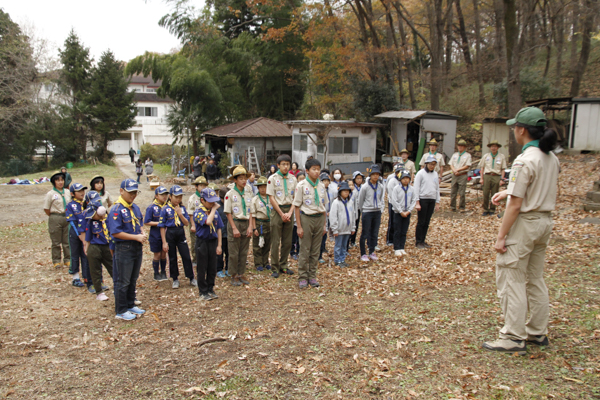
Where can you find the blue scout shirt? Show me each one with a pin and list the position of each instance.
(204, 231)
(97, 232)
(169, 218)
(121, 220)
(153, 215)
(75, 215)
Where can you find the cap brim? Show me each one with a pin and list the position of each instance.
(132, 190)
(511, 121)
(163, 192)
(213, 199)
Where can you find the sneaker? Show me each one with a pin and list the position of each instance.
(205, 297)
(288, 271)
(91, 290)
(403, 252)
(137, 302)
(303, 284)
(485, 214)
(275, 274)
(104, 287)
(389, 244)
(321, 261)
(343, 264)
(398, 253)
(156, 276)
(377, 248)
(136, 310)
(364, 258)
(426, 245)
(540, 340)
(221, 274)
(67, 264)
(127, 316)
(235, 281)
(77, 283)
(295, 257)
(212, 294)
(260, 268)
(373, 256)
(163, 276)
(57, 265)
(175, 284)
(101, 297)
(243, 279)
(267, 267)
(194, 282)
(227, 273)
(313, 283)
(507, 346)
(420, 246)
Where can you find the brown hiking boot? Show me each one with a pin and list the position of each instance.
(243, 279)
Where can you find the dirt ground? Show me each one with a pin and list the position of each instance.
(390, 330)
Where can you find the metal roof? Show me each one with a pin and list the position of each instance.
(144, 80)
(257, 127)
(139, 97)
(412, 114)
(586, 100)
(345, 123)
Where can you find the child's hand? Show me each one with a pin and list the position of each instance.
(165, 247)
(142, 237)
(249, 232)
(353, 232)
(300, 232)
(236, 233)
(219, 251)
(215, 207)
(335, 234)
(418, 207)
(256, 233)
(285, 217)
(193, 229)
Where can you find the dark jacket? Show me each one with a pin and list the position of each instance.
(211, 171)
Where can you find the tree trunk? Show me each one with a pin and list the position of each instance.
(391, 36)
(194, 139)
(586, 44)
(574, 35)
(499, 45)
(478, 54)
(464, 39)
(558, 26)
(448, 52)
(512, 62)
(407, 61)
(436, 28)
(547, 37)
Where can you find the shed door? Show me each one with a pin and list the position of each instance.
(587, 127)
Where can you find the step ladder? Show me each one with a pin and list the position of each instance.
(253, 161)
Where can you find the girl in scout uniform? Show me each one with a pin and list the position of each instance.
(524, 235)
(341, 221)
(173, 218)
(358, 179)
(238, 211)
(97, 184)
(152, 219)
(493, 166)
(98, 248)
(74, 214)
(403, 202)
(310, 203)
(427, 195)
(372, 204)
(439, 166)
(194, 202)
(460, 164)
(261, 216)
(55, 205)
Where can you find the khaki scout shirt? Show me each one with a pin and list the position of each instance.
(534, 178)
(247, 188)
(53, 201)
(193, 203)
(409, 166)
(493, 165)
(465, 159)
(259, 209)
(305, 198)
(233, 204)
(276, 188)
(106, 200)
(438, 156)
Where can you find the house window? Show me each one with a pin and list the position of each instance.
(147, 111)
(346, 145)
(300, 143)
(150, 90)
(320, 148)
(134, 89)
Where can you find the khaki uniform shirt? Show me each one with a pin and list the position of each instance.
(493, 165)
(534, 178)
(53, 201)
(305, 198)
(259, 209)
(276, 188)
(440, 161)
(106, 199)
(193, 203)
(410, 167)
(465, 160)
(247, 188)
(233, 204)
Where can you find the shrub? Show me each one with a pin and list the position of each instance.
(224, 163)
(533, 86)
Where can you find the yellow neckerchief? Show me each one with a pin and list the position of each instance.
(177, 221)
(161, 205)
(212, 226)
(128, 206)
(105, 229)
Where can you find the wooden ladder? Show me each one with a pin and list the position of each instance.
(253, 160)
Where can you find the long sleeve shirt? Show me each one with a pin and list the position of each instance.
(427, 186)
(370, 200)
(403, 198)
(342, 218)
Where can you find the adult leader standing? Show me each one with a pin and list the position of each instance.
(524, 235)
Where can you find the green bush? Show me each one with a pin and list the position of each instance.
(224, 163)
(15, 167)
(101, 155)
(533, 86)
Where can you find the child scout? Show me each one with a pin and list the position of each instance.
(74, 213)
(152, 219)
(261, 213)
(194, 202)
(55, 205)
(98, 249)
(310, 201)
(459, 164)
(238, 211)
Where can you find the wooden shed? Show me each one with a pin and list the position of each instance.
(585, 124)
(496, 129)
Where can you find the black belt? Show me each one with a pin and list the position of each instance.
(63, 214)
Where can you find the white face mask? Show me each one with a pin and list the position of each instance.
(337, 176)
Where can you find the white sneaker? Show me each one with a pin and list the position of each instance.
(403, 252)
(101, 297)
(398, 253)
(377, 248)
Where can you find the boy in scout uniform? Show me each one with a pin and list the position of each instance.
(493, 166)
(524, 235)
(407, 164)
(310, 203)
(194, 202)
(74, 214)
(460, 164)
(239, 231)
(152, 219)
(55, 205)
(261, 214)
(439, 166)
(98, 242)
(280, 189)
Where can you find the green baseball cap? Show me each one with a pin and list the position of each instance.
(531, 116)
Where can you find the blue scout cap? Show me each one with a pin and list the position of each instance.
(92, 208)
(129, 185)
(209, 195)
(343, 186)
(91, 196)
(76, 187)
(161, 190)
(176, 190)
(324, 176)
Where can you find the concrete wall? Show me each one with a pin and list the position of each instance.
(495, 131)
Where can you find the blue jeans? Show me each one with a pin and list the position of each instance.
(370, 231)
(128, 261)
(77, 253)
(339, 251)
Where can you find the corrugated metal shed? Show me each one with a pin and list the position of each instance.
(412, 114)
(257, 127)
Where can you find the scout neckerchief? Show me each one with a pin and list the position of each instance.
(128, 206)
(344, 202)
(211, 225)
(105, 229)
(433, 154)
(243, 198)
(533, 143)
(157, 203)
(405, 197)
(494, 160)
(284, 182)
(198, 194)
(314, 185)
(177, 221)
(62, 193)
(374, 191)
(460, 155)
(266, 203)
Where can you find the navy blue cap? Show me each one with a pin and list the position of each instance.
(209, 195)
(374, 170)
(324, 176)
(92, 208)
(129, 185)
(161, 190)
(91, 196)
(343, 186)
(76, 187)
(176, 190)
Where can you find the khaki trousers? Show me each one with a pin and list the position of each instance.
(238, 247)
(310, 245)
(261, 254)
(58, 228)
(491, 186)
(281, 240)
(458, 186)
(192, 243)
(520, 277)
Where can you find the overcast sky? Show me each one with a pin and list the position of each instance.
(127, 27)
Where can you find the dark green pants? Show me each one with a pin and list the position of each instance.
(58, 228)
(281, 240)
(310, 245)
(238, 248)
(458, 187)
(192, 243)
(491, 186)
(261, 254)
(99, 255)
